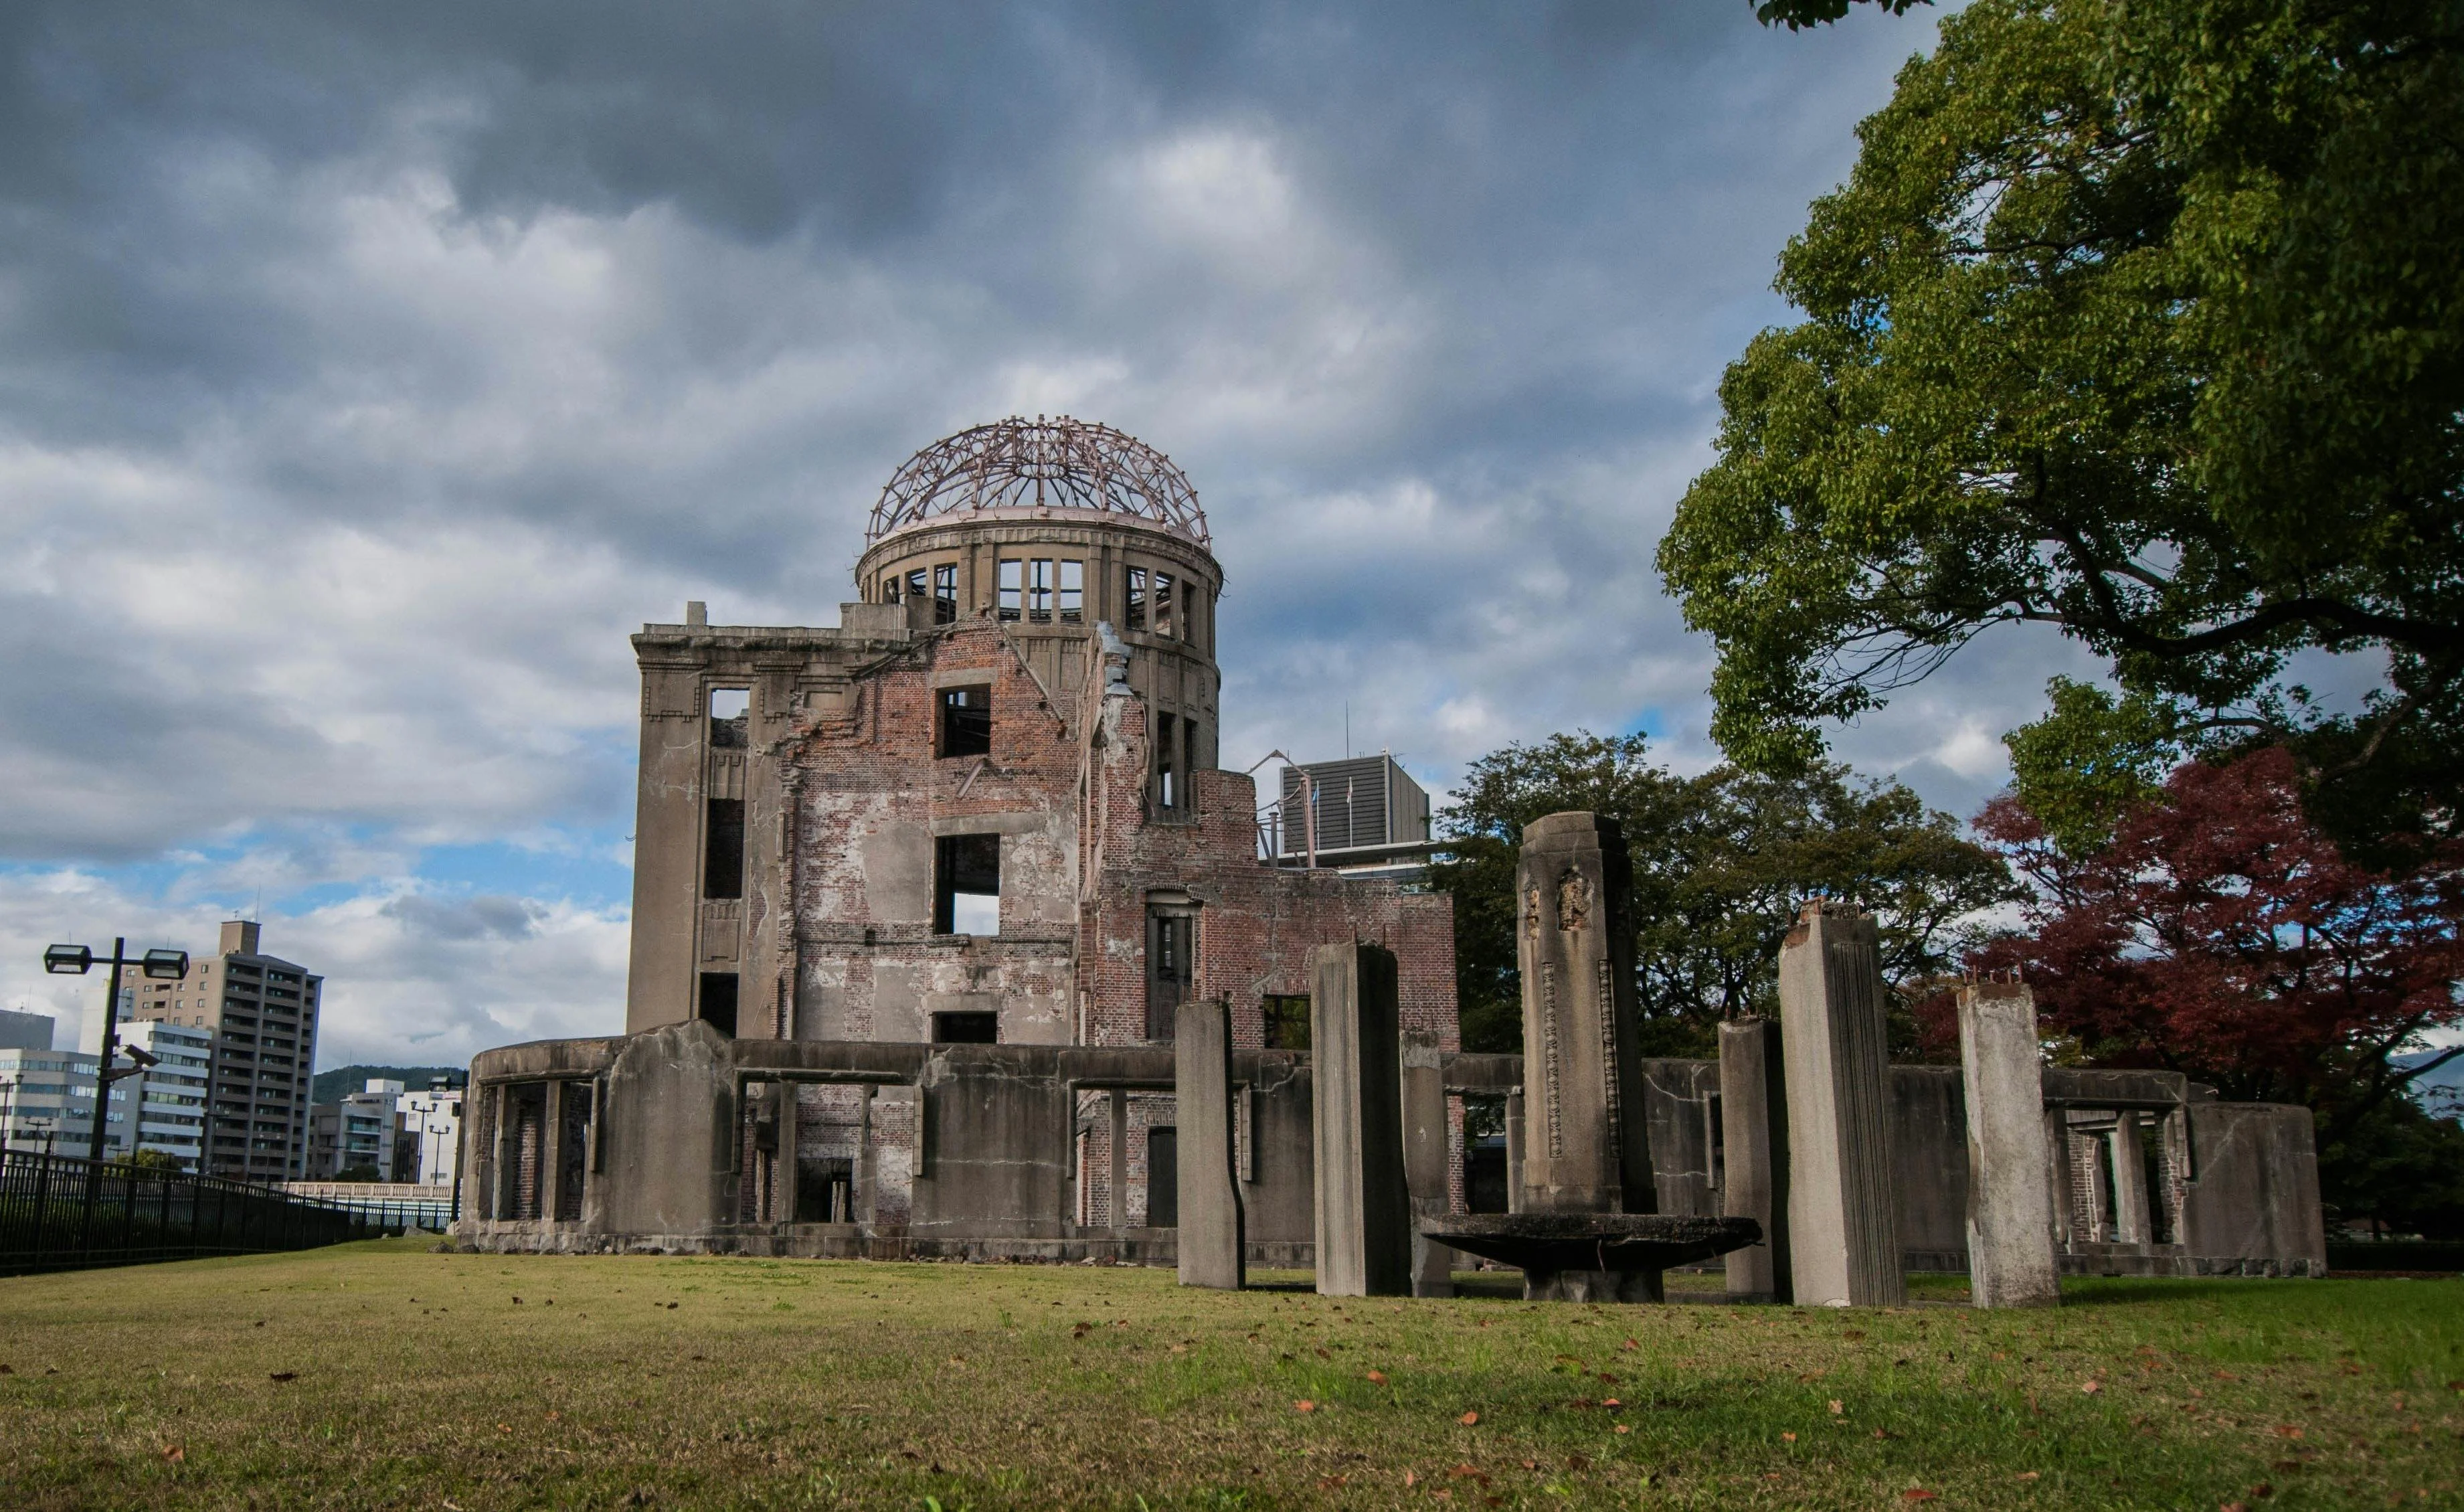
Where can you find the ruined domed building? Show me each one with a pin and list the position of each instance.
(984, 810)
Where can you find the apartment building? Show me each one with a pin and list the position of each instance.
(261, 1012)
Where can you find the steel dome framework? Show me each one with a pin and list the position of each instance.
(1054, 463)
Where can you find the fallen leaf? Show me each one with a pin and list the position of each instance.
(2027, 1475)
(2230, 1506)
(1577, 1462)
(1304, 1405)
(1621, 1428)
(1531, 1464)
(1468, 1418)
(1377, 1378)
(1629, 1344)
(1329, 1483)
(2226, 1375)
(1852, 1333)
(672, 1307)
(1323, 1354)
(1611, 1401)
(1837, 1411)
(1788, 1439)
(518, 1302)
(2262, 1491)
(504, 1428)
(284, 1375)
(1411, 1479)
(176, 1454)
(2091, 1388)
(2287, 1430)
(1920, 1494)
(553, 1414)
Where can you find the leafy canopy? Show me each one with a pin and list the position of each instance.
(1722, 863)
(2144, 321)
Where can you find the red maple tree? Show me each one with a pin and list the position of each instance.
(2222, 935)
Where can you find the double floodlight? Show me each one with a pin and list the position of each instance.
(68, 960)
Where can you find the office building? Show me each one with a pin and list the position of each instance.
(262, 1012)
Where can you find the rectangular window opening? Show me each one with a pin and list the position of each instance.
(1286, 1020)
(722, 872)
(1167, 776)
(966, 1029)
(718, 1007)
(729, 710)
(1163, 1177)
(966, 721)
(915, 584)
(945, 593)
(1013, 577)
(1163, 621)
(1039, 590)
(1134, 603)
(1172, 961)
(966, 884)
(1073, 593)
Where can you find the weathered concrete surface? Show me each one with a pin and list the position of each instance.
(1586, 1145)
(2010, 1256)
(2256, 1188)
(1929, 1166)
(1754, 1130)
(1842, 1222)
(669, 1159)
(1428, 1166)
(1364, 1216)
(1210, 1242)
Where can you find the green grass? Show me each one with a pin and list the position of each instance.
(416, 1380)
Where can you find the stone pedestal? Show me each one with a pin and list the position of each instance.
(1363, 1210)
(1842, 1222)
(1586, 1147)
(1426, 1162)
(2011, 1257)
(1210, 1233)
(1753, 1153)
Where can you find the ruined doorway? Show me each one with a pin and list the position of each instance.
(1163, 1177)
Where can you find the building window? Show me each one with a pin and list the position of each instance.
(722, 872)
(915, 584)
(1172, 965)
(1163, 605)
(966, 884)
(718, 1007)
(945, 593)
(1286, 1020)
(1013, 577)
(966, 1029)
(1167, 771)
(966, 721)
(1134, 603)
(1073, 593)
(1039, 590)
(730, 709)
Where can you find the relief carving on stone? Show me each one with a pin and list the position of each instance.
(1574, 901)
(1531, 909)
(1609, 1057)
(1550, 1057)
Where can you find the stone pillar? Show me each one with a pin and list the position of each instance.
(1211, 1234)
(2011, 1258)
(2130, 1216)
(1586, 1148)
(1117, 1203)
(1426, 1166)
(1514, 1152)
(1843, 1237)
(1753, 1147)
(551, 1177)
(868, 1162)
(1364, 1215)
(503, 1179)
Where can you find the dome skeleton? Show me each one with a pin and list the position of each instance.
(1055, 463)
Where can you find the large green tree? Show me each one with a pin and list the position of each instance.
(1722, 863)
(2142, 319)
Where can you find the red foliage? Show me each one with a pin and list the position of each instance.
(2223, 935)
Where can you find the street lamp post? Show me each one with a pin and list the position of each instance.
(68, 960)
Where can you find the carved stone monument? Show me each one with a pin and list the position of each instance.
(1843, 1236)
(1753, 1140)
(1364, 1211)
(2010, 1256)
(1210, 1236)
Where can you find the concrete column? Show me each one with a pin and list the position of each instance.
(2057, 1176)
(2130, 1224)
(551, 1151)
(1514, 1152)
(868, 1162)
(784, 1186)
(1211, 1236)
(1843, 1237)
(1426, 1167)
(1364, 1215)
(1754, 1148)
(2011, 1258)
(502, 1176)
(1587, 1148)
(1116, 1209)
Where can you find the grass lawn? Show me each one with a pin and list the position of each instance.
(384, 1375)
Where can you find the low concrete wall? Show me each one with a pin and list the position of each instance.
(672, 1133)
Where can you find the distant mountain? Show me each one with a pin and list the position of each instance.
(332, 1086)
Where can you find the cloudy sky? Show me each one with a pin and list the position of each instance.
(368, 373)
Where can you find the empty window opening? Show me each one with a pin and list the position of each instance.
(718, 1007)
(1039, 590)
(966, 884)
(1287, 1021)
(945, 593)
(1133, 602)
(825, 1191)
(1167, 773)
(1013, 579)
(1163, 605)
(722, 870)
(966, 721)
(915, 584)
(729, 710)
(979, 1028)
(1163, 1177)
(1073, 593)
(1171, 952)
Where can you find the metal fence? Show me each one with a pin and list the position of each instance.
(57, 1213)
